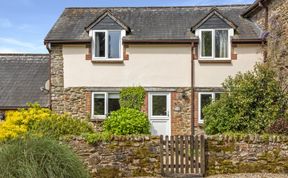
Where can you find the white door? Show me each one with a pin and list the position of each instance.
(159, 113)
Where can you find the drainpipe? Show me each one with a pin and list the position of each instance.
(192, 89)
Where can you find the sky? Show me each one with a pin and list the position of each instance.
(25, 23)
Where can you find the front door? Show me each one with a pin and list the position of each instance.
(159, 113)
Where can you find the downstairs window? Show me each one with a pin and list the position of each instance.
(205, 99)
(103, 103)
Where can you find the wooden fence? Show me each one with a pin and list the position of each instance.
(182, 155)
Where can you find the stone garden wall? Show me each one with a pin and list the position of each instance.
(140, 156)
(235, 154)
(122, 157)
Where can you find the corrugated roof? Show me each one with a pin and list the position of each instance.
(22, 76)
(149, 23)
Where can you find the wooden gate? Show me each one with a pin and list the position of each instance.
(182, 155)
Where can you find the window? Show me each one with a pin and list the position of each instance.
(215, 43)
(103, 103)
(205, 99)
(107, 44)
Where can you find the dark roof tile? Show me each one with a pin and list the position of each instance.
(22, 76)
(149, 22)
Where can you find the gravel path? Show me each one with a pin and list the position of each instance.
(247, 175)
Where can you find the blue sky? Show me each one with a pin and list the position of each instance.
(25, 23)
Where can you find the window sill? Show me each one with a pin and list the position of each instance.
(107, 61)
(95, 118)
(214, 60)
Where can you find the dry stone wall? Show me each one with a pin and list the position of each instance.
(122, 157)
(247, 154)
(130, 156)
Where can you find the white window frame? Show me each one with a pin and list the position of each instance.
(106, 98)
(199, 33)
(201, 120)
(94, 58)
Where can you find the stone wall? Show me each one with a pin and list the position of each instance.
(57, 80)
(123, 157)
(252, 153)
(181, 111)
(277, 42)
(130, 156)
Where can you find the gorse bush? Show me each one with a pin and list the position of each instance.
(19, 122)
(40, 121)
(41, 158)
(127, 121)
(252, 102)
(132, 97)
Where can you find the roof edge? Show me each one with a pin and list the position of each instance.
(24, 54)
(253, 7)
(136, 7)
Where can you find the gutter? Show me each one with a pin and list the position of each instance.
(159, 41)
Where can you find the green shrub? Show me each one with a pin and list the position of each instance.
(132, 97)
(93, 138)
(60, 125)
(39, 158)
(127, 121)
(252, 101)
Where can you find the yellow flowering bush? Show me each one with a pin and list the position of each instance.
(18, 122)
(41, 122)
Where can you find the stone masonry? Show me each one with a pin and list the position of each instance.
(128, 156)
(277, 43)
(181, 111)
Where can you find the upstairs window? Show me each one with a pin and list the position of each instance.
(107, 44)
(214, 44)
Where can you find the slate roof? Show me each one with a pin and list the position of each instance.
(149, 23)
(22, 76)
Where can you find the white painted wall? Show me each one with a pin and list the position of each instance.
(148, 66)
(153, 66)
(214, 74)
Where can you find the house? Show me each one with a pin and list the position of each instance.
(24, 79)
(180, 55)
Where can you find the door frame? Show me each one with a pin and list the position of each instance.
(168, 106)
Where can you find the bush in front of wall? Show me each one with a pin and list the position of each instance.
(41, 122)
(127, 121)
(96, 137)
(39, 157)
(132, 97)
(60, 125)
(18, 122)
(252, 102)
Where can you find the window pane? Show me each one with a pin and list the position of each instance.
(221, 43)
(206, 43)
(99, 44)
(159, 105)
(205, 100)
(99, 104)
(113, 102)
(114, 44)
